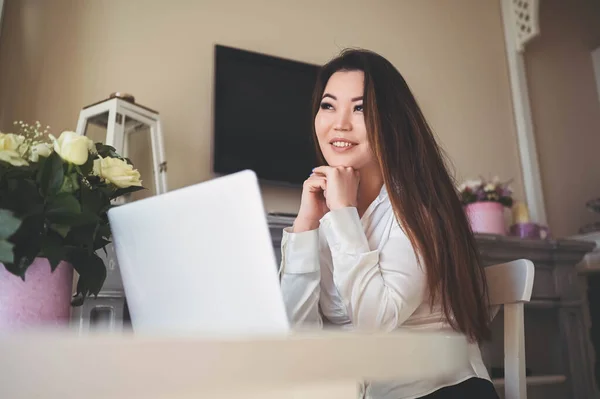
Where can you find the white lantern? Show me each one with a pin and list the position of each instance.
(135, 132)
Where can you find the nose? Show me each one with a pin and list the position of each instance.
(343, 122)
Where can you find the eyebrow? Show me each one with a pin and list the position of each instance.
(359, 98)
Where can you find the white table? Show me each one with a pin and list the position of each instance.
(324, 365)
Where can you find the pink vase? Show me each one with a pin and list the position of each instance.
(486, 217)
(43, 299)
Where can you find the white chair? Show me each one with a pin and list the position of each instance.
(510, 285)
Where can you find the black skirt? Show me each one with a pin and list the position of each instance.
(476, 388)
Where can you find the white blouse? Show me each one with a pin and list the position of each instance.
(362, 273)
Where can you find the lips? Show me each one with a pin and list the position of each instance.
(340, 144)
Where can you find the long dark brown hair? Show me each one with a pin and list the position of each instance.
(422, 192)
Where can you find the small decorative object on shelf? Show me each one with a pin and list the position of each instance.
(54, 198)
(593, 206)
(484, 202)
(523, 227)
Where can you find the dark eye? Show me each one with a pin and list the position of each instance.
(326, 106)
(358, 108)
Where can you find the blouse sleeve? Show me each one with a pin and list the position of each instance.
(380, 288)
(300, 277)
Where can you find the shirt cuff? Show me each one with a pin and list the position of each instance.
(300, 251)
(344, 231)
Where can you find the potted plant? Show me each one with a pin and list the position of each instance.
(54, 198)
(484, 202)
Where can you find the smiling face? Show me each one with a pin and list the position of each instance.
(340, 123)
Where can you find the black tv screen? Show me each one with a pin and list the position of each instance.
(262, 116)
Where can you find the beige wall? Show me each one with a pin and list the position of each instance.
(566, 110)
(57, 56)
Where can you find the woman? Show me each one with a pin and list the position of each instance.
(381, 240)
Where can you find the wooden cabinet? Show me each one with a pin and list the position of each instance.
(559, 355)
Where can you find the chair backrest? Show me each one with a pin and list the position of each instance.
(510, 285)
(510, 282)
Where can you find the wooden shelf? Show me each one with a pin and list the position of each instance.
(550, 303)
(537, 380)
(542, 303)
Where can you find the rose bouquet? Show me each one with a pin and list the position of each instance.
(54, 197)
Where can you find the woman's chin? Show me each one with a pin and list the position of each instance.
(338, 162)
(335, 160)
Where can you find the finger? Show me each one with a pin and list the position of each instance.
(316, 182)
(317, 185)
(324, 170)
(315, 176)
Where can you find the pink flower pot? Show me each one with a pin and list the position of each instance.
(486, 217)
(43, 299)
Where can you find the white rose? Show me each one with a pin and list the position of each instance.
(40, 150)
(12, 142)
(117, 172)
(72, 147)
(12, 157)
(12, 148)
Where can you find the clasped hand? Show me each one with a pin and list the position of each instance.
(327, 188)
(341, 186)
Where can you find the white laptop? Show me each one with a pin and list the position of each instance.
(199, 260)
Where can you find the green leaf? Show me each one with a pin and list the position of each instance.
(51, 175)
(104, 231)
(127, 190)
(64, 209)
(107, 191)
(93, 201)
(60, 229)
(70, 183)
(53, 249)
(21, 172)
(9, 224)
(88, 166)
(107, 151)
(84, 219)
(23, 196)
(6, 252)
(91, 269)
(13, 268)
(95, 181)
(28, 242)
(20, 265)
(78, 299)
(82, 236)
(100, 243)
(64, 205)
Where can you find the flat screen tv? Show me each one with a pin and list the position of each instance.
(262, 116)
